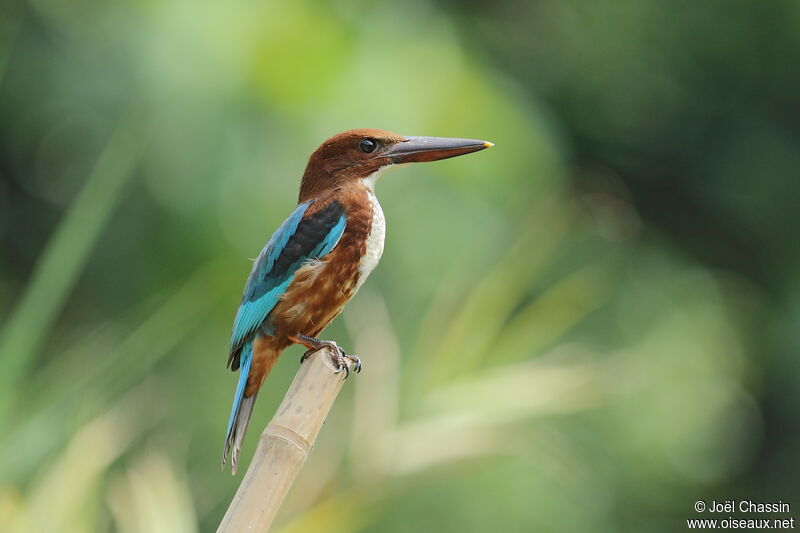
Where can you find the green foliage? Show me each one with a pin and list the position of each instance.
(538, 355)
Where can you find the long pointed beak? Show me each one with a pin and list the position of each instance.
(420, 149)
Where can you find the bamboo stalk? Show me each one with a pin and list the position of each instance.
(284, 446)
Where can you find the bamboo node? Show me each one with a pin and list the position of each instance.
(289, 435)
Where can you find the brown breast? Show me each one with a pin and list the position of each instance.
(321, 288)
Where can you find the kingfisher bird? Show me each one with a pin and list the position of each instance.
(318, 258)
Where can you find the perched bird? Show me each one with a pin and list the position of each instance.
(319, 257)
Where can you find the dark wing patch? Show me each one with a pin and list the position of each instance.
(312, 232)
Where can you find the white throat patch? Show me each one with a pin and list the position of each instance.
(370, 181)
(377, 231)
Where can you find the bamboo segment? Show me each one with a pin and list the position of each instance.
(284, 446)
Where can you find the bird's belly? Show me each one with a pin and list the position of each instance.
(316, 295)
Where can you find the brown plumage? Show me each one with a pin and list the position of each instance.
(319, 257)
(320, 288)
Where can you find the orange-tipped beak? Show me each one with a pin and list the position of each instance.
(421, 149)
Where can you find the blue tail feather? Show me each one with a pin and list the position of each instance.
(241, 410)
(246, 357)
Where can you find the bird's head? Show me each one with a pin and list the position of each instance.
(364, 154)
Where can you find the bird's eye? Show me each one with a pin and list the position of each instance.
(367, 146)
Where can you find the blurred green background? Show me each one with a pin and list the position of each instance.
(586, 328)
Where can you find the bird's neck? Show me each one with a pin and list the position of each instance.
(368, 182)
(352, 188)
(309, 189)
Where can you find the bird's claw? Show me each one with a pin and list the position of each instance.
(356, 362)
(339, 357)
(342, 366)
(306, 355)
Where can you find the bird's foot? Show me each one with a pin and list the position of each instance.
(356, 363)
(340, 358)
